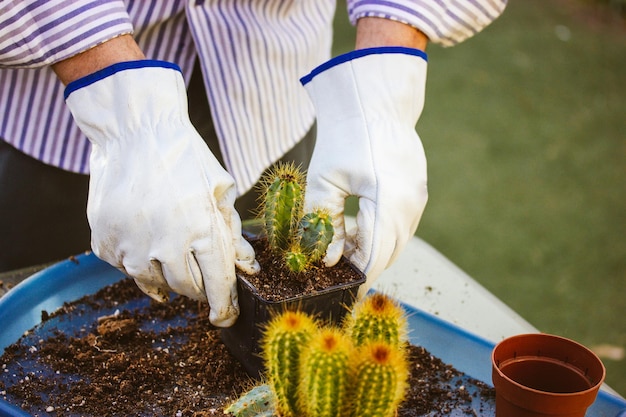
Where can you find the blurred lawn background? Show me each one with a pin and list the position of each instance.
(525, 133)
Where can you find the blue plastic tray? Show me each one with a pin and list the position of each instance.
(20, 310)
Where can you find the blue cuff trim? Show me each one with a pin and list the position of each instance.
(361, 53)
(113, 69)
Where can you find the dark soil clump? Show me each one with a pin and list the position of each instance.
(142, 358)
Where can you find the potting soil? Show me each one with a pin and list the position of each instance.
(118, 353)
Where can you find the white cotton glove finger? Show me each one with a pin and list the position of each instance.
(160, 206)
(367, 104)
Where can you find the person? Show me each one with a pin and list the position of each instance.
(175, 109)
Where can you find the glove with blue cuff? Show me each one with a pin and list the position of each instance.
(160, 206)
(367, 104)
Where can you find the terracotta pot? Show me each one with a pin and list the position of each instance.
(544, 375)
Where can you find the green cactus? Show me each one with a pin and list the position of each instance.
(282, 203)
(314, 370)
(380, 373)
(315, 232)
(377, 318)
(300, 239)
(296, 260)
(324, 387)
(285, 337)
(258, 402)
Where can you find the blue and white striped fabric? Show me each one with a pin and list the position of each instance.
(253, 54)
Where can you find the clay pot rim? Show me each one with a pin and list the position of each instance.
(527, 389)
(589, 391)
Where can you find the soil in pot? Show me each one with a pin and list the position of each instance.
(324, 292)
(118, 353)
(275, 283)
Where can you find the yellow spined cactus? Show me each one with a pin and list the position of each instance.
(379, 374)
(285, 337)
(377, 318)
(357, 370)
(324, 389)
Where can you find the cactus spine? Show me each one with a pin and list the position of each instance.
(324, 368)
(285, 337)
(300, 239)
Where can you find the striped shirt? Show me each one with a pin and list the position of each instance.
(252, 53)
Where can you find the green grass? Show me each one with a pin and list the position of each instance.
(525, 133)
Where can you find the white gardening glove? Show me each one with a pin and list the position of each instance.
(160, 207)
(367, 103)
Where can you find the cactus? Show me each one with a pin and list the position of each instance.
(377, 318)
(380, 375)
(324, 388)
(258, 402)
(285, 337)
(296, 259)
(315, 232)
(300, 239)
(282, 203)
(313, 370)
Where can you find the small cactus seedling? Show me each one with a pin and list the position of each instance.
(380, 372)
(286, 335)
(377, 318)
(296, 259)
(301, 239)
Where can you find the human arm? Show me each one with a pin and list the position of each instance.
(36, 33)
(160, 206)
(374, 32)
(118, 49)
(368, 103)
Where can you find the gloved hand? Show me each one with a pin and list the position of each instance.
(160, 206)
(367, 103)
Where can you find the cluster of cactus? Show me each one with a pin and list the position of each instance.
(301, 239)
(358, 369)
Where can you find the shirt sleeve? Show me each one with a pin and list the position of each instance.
(445, 22)
(37, 33)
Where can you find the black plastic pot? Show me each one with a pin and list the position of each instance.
(244, 337)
